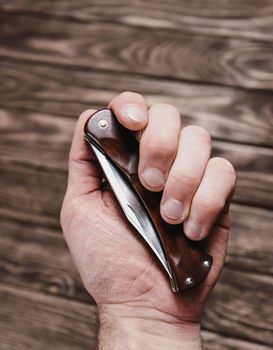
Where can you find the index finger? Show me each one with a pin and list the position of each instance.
(130, 109)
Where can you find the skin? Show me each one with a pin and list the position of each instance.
(137, 308)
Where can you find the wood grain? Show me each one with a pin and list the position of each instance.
(152, 52)
(37, 259)
(65, 324)
(241, 307)
(248, 19)
(37, 321)
(213, 341)
(34, 92)
(253, 186)
(251, 232)
(57, 58)
(31, 195)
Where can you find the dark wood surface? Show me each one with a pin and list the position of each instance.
(214, 61)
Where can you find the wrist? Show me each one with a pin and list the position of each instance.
(123, 327)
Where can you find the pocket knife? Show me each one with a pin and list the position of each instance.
(117, 151)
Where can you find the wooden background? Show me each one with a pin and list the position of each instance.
(213, 60)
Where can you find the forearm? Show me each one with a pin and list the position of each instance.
(121, 330)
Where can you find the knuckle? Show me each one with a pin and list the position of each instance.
(169, 148)
(131, 96)
(188, 181)
(152, 147)
(225, 167)
(155, 148)
(168, 109)
(209, 204)
(199, 132)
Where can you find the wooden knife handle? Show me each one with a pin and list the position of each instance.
(188, 262)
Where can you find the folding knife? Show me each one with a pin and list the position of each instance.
(117, 151)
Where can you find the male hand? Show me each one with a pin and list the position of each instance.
(136, 305)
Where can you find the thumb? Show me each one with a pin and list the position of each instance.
(84, 173)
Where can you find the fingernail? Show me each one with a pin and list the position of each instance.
(134, 112)
(153, 177)
(192, 229)
(173, 209)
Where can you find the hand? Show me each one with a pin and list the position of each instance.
(131, 289)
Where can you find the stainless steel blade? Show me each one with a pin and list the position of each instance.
(133, 208)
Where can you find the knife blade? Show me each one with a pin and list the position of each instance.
(132, 207)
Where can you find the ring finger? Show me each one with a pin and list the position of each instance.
(186, 173)
(158, 145)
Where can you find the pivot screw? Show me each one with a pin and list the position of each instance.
(189, 281)
(103, 124)
(206, 264)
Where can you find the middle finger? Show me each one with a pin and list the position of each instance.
(186, 173)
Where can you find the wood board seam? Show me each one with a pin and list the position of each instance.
(85, 68)
(51, 115)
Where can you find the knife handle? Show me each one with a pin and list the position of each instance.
(188, 262)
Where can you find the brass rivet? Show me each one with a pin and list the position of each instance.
(103, 124)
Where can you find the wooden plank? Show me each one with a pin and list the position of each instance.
(36, 139)
(152, 52)
(238, 295)
(248, 19)
(37, 91)
(63, 324)
(241, 296)
(37, 257)
(241, 307)
(213, 341)
(251, 232)
(253, 167)
(36, 321)
(240, 299)
(31, 196)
